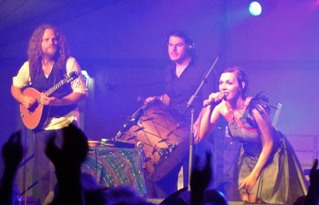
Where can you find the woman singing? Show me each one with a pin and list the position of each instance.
(268, 169)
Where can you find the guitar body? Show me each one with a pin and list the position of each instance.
(35, 116)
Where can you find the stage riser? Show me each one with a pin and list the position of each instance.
(158, 201)
(242, 203)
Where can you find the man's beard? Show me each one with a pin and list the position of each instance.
(52, 54)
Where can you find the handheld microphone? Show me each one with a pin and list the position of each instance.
(214, 100)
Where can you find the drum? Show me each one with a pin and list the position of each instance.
(162, 138)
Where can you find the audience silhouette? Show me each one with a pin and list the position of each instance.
(312, 197)
(199, 193)
(67, 150)
(12, 153)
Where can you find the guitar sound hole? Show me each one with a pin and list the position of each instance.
(33, 107)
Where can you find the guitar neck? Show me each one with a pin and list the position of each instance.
(55, 87)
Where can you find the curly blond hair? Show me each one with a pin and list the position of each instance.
(35, 49)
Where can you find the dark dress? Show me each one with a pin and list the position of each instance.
(281, 180)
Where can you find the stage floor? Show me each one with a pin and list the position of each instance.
(158, 201)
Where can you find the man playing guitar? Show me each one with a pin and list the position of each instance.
(48, 64)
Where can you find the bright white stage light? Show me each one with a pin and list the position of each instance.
(87, 78)
(85, 74)
(255, 8)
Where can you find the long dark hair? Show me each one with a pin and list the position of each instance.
(35, 49)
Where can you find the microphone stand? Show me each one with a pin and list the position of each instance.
(191, 136)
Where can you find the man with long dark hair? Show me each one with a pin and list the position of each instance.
(49, 66)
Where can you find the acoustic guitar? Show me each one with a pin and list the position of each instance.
(36, 115)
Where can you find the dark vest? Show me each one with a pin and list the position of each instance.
(42, 84)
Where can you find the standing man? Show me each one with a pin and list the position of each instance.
(182, 78)
(48, 63)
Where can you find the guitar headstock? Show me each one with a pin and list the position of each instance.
(72, 76)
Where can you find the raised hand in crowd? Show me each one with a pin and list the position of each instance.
(12, 153)
(67, 161)
(200, 179)
(312, 197)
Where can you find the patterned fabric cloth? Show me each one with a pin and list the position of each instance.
(113, 167)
